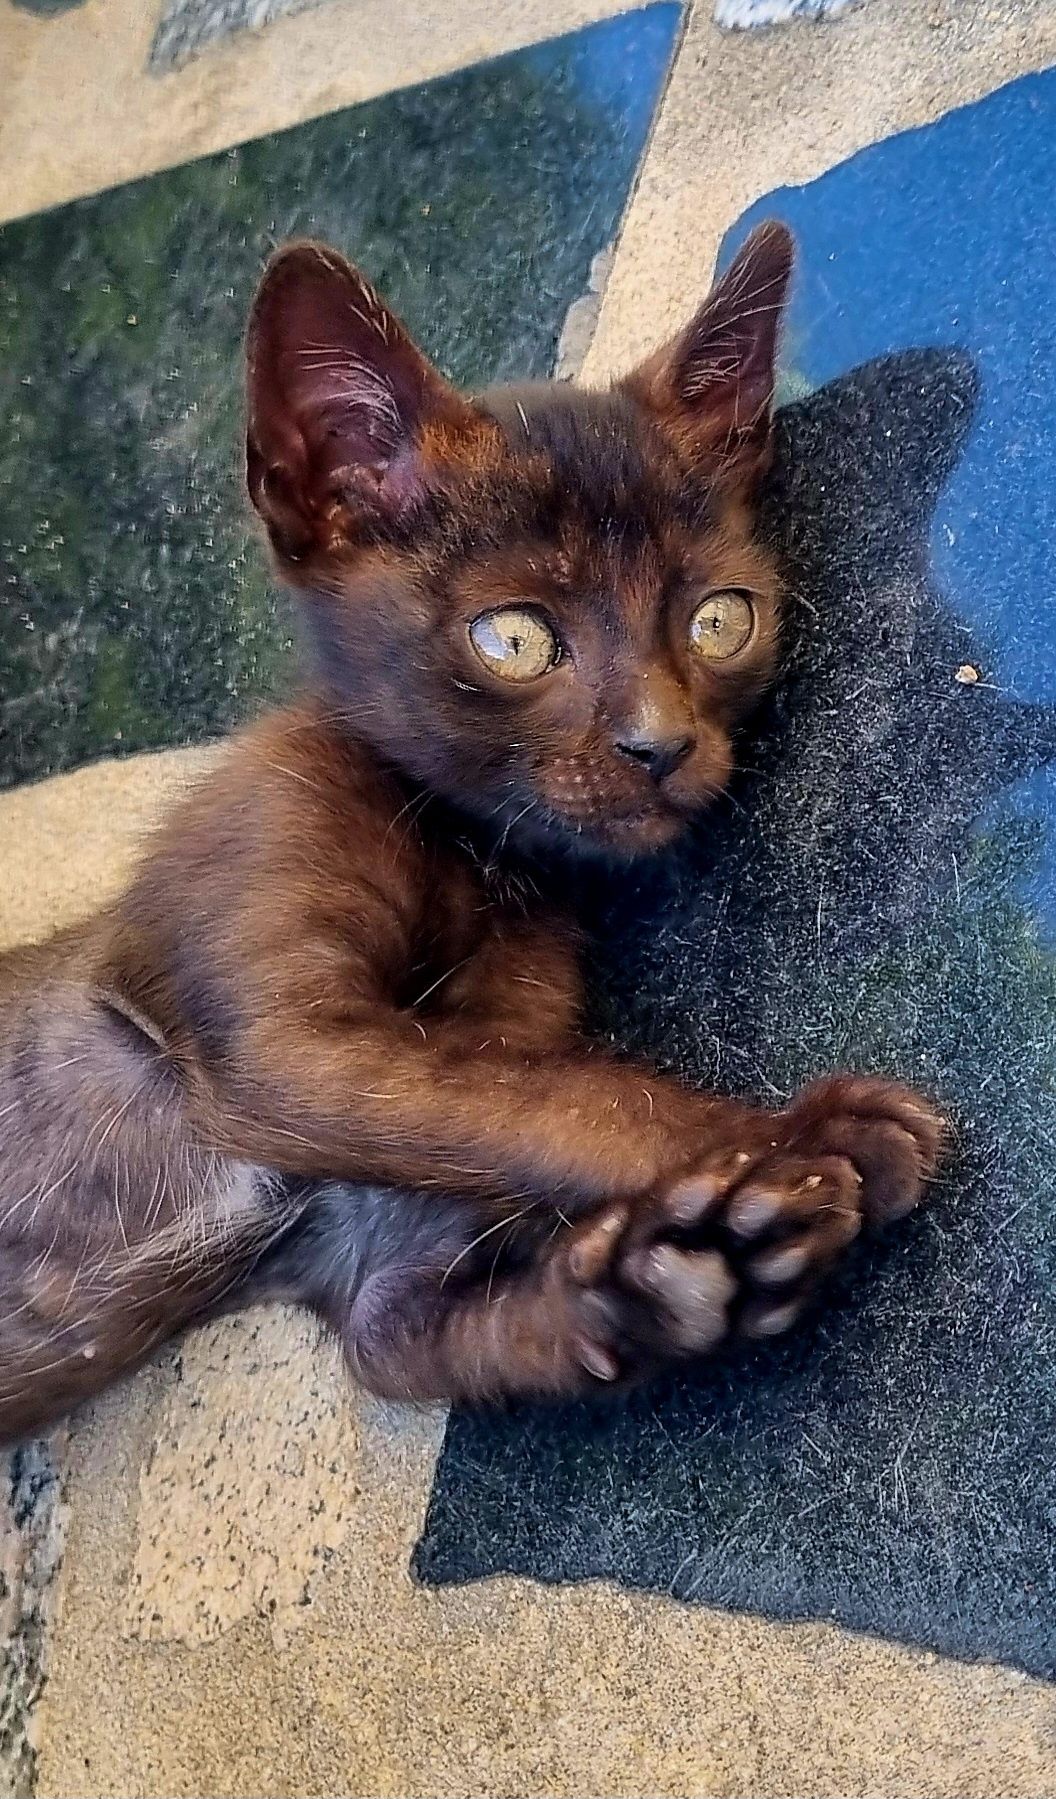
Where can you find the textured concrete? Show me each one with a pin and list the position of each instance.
(32, 1538)
(82, 112)
(308, 1663)
(187, 26)
(746, 112)
(71, 843)
(741, 15)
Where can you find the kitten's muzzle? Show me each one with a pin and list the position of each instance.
(656, 729)
(659, 756)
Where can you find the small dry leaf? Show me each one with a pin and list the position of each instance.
(967, 674)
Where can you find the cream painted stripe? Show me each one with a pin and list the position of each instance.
(81, 113)
(69, 845)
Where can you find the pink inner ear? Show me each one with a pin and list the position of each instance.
(336, 387)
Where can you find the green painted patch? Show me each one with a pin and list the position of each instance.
(138, 607)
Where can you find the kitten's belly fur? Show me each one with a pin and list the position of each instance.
(115, 1229)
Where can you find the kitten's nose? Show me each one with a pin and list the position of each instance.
(659, 756)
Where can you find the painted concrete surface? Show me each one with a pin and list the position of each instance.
(141, 610)
(748, 112)
(309, 1662)
(187, 27)
(32, 1541)
(82, 111)
(746, 15)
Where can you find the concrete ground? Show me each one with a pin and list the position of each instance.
(234, 1613)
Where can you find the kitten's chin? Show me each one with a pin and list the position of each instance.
(621, 836)
(645, 835)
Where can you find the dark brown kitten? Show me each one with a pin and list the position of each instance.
(329, 1043)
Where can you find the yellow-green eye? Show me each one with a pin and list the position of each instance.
(722, 625)
(515, 643)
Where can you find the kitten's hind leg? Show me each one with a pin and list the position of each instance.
(420, 1291)
(437, 1299)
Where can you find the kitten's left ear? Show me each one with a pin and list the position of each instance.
(712, 386)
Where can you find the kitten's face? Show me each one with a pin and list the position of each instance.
(546, 606)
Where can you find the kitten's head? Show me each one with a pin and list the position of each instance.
(545, 604)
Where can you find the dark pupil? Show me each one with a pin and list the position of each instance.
(516, 643)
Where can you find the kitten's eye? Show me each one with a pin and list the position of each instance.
(722, 625)
(514, 643)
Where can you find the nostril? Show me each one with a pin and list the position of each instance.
(659, 756)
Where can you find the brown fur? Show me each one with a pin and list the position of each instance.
(328, 1045)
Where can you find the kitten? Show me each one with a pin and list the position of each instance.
(328, 1045)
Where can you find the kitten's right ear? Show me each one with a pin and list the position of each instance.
(348, 422)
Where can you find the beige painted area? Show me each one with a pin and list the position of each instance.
(80, 111)
(747, 112)
(68, 846)
(201, 1564)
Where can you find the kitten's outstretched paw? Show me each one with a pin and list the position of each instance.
(743, 1244)
(851, 1151)
(890, 1134)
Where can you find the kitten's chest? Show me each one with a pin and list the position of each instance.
(459, 907)
(468, 905)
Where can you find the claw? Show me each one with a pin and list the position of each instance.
(770, 1321)
(597, 1360)
(691, 1200)
(591, 1252)
(776, 1266)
